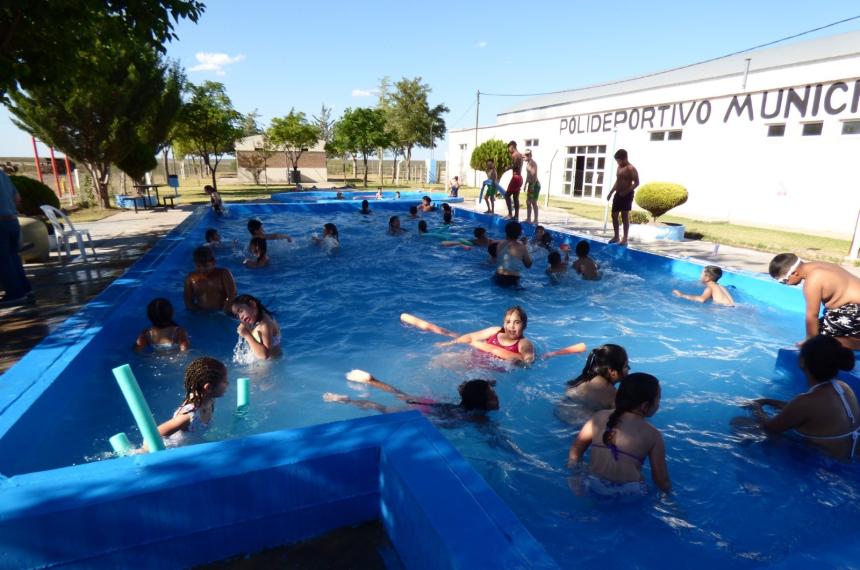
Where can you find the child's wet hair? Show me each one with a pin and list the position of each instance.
(446, 207)
(713, 272)
(365, 205)
(479, 233)
(823, 357)
(391, 221)
(426, 199)
(202, 371)
(260, 245)
(635, 389)
(447, 217)
(513, 230)
(413, 210)
(780, 264)
(422, 226)
(203, 255)
(331, 229)
(210, 235)
(554, 258)
(160, 313)
(254, 225)
(246, 299)
(582, 248)
(601, 361)
(478, 395)
(522, 313)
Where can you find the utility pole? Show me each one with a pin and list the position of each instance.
(477, 112)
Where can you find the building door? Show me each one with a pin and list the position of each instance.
(584, 171)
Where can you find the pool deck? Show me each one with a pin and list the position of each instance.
(63, 288)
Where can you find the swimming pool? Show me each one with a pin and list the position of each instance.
(737, 502)
(326, 196)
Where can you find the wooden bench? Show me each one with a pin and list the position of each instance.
(172, 199)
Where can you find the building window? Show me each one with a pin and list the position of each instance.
(812, 129)
(674, 135)
(532, 142)
(584, 171)
(851, 128)
(776, 130)
(464, 146)
(658, 135)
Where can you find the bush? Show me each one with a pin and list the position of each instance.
(660, 197)
(34, 194)
(638, 217)
(494, 149)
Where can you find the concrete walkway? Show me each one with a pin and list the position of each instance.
(63, 287)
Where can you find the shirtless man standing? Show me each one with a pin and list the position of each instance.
(516, 182)
(209, 288)
(827, 284)
(532, 187)
(626, 181)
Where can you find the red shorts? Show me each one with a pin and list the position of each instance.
(516, 184)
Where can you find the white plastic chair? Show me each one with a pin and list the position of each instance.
(64, 229)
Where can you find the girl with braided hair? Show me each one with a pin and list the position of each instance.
(205, 380)
(621, 440)
(605, 367)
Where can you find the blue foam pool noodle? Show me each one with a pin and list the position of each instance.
(120, 443)
(139, 408)
(243, 392)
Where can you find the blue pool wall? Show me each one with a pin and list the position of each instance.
(209, 502)
(323, 196)
(43, 387)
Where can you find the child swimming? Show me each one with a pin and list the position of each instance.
(208, 288)
(255, 228)
(584, 265)
(713, 290)
(557, 264)
(365, 207)
(512, 255)
(542, 238)
(214, 199)
(394, 228)
(621, 441)
(507, 342)
(605, 367)
(426, 205)
(330, 236)
(205, 380)
(476, 397)
(257, 326)
(413, 212)
(164, 335)
(258, 248)
(827, 415)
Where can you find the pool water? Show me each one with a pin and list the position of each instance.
(738, 500)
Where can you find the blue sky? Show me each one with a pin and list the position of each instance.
(275, 55)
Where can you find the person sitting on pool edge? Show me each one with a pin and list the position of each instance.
(208, 288)
(713, 290)
(827, 415)
(476, 398)
(621, 441)
(512, 255)
(824, 284)
(507, 342)
(255, 228)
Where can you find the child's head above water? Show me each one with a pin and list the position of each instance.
(513, 230)
(160, 313)
(212, 236)
(480, 233)
(446, 207)
(638, 391)
(478, 395)
(822, 357)
(422, 226)
(447, 217)
(413, 211)
(554, 258)
(249, 309)
(365, 205)
(517, 312)
(394, 223)
(582, 249)
(711, 273)
(254, 226)
(608, 361)
(205, 378)
(203, 256)
(330, 230)
(426, 200)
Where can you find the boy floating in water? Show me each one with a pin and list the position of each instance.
(584, 265)
(713, 290)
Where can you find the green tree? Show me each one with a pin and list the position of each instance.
(492, 149)
(293, 134)
(250, 126)
(362, 131)
(411, 119)
(324, 124)
(42, 39)
(118, 109)
(208, 125)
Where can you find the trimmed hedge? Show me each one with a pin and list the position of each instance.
(660, 197)
(638, 217)
(34, 194)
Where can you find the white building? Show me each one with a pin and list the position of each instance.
(767, 138)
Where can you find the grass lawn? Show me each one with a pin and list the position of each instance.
(761, 239)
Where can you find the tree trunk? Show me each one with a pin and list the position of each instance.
(100, 179)
(166, 166)
(365, 170)
(211, 170)
(409, 162)
(394, 170)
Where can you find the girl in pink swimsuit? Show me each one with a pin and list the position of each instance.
(507, 342)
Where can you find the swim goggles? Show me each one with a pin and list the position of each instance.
(791, 270)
